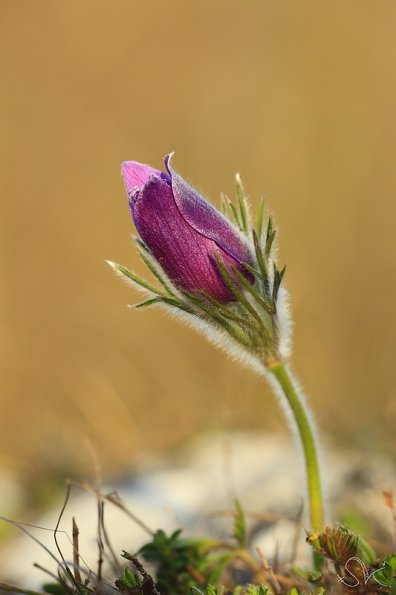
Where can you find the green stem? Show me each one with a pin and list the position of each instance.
(307, 437)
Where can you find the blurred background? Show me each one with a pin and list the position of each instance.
(299, 97)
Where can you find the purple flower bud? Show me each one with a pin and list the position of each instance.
(183, 231)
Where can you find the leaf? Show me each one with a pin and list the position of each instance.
(215, 590)
(260, 218)
(278, 276)
(227, 312)
(237, 292)
(239, 530)
(308, 574)
(147, 303)
(154, 268)
(177, 304)
(229, 325)
(235, 215)
(253, 292)
(262, 264)
(224, 205)
(269, 242)
(119, 269)
(242, 203)
(128, 579)
(385, 575)
(257, 590)
(252, 270)
(341, 545)
(269, 228)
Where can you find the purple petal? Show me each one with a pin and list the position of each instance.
(183, 252)
(205, 219)
(136, 174)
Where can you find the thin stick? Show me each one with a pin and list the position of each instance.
(76, 554)
(268, 568)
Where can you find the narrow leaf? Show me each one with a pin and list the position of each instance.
(242, 203)
(261, 263)
(257, 274)
(227, 313)
(147, 259)
(269, 228)
(278, 276)
(224, 205)
(235, 330)
(260, 218)
(269, 242)
(239, 529)
(253, 292)
(237, 292)
(177, 304)
(138, 240)
(147, 303)
(235, 215)
(124, 272)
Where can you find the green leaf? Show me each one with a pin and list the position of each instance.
(177, 304)
(242, 203)
(227, 312)
(252, 270)
(239, 530)
(224, 205)
(262, 264)
(218, 564)
(260, 218)
(278, 276)
(234, 329)
(386, 575)
(340, 545)
(269, 242)
(172, 556)
(128, 579)
(153, 267)
(253, 292)
(235, 215)
(237, 292)
(215, 590)
(365, 551)
(147, 303)
(308, 574)
(257, 590)
(269, 228)
(124, 272)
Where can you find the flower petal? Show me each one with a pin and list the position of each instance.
(136, 174)
(183, 252)
(205, 219)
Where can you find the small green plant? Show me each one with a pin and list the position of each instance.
(172, 564)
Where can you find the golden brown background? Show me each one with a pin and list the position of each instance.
(297, 96)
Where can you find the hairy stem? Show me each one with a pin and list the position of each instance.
(306, 433)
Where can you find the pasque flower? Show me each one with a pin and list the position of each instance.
(183, 231)
(220, 275)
